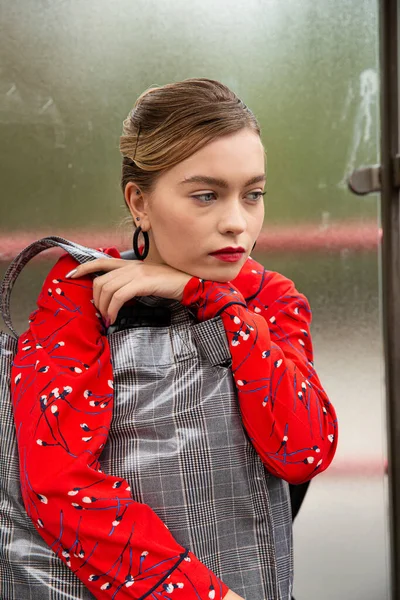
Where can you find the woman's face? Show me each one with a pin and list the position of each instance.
(208, 202)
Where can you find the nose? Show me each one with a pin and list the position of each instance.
(232, 218)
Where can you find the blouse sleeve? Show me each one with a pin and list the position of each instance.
(62, 393)
(285, 411)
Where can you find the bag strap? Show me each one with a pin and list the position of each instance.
(81, 253)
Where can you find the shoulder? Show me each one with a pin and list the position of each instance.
(79, 291)
(254, 278)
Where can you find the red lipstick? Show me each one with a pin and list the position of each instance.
(228, 254)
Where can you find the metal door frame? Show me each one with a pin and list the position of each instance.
(390, 265)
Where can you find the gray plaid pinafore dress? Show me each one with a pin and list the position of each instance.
(177, 437)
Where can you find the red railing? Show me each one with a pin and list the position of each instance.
(302, 237)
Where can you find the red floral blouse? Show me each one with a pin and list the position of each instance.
(62, 392)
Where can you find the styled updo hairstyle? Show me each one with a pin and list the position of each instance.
(169, 123)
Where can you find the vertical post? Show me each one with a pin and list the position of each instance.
(390, 266)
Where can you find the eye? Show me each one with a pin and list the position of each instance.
(254, 196)
(206, 198)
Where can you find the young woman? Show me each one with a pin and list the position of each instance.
(193, 178)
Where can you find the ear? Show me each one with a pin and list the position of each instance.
(137, 205)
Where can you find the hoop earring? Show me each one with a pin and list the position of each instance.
(136, 250)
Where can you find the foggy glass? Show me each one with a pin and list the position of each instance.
(70, 73)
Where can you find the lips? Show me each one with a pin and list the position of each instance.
(228, 254)
(228, 250)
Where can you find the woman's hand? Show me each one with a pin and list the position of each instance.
(232, 596)
(126, 279)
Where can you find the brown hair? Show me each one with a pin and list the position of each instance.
(167, 124)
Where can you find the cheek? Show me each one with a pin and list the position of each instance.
(177, 218)
(258, 220)
(176, 236)
(175, 228)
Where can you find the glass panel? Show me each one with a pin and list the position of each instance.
(309, 70)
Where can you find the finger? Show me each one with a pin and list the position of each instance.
(121, 296)
(99, 264)
(105, 286)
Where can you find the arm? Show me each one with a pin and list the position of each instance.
(284, 408)
(62, 395)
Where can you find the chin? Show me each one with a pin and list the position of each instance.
(223, 275)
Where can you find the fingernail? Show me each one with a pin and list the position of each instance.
(71, 273)
(108, 321)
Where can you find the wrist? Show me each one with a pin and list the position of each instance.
(210, 298)
(184, 280)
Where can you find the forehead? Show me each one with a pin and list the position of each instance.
(236, 158)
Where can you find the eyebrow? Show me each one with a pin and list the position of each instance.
(219, 182)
